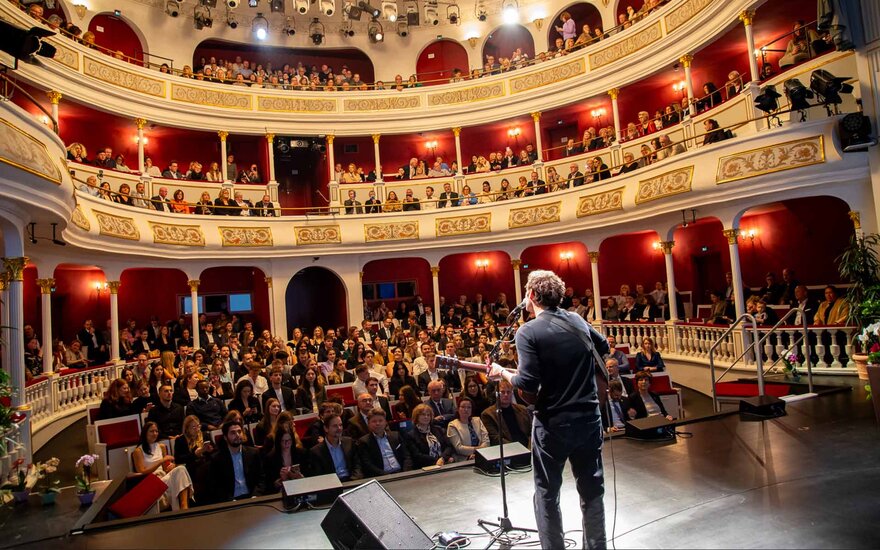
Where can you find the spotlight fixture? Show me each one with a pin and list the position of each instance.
(829, 87)
(855, 133)
(25, 44)
(301, 6)
(368, 9)
(453, 14)
(389, 10)
(276, 6)
(480, 11)
(289, 27)
(412, 13)
(202, 17)
(316, 32)
(510, 12)
(206, 3)
(231, 20)
(346, 29)
(260, 27)
(482, 15)
(767, 99)
(402, 29)
(172, 8)
(232, 4)
(797, 94)
(432, 16)
(352, 12)
(253, 3)
(328, 7)
(375, 32)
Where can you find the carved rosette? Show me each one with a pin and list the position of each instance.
(598, 203)
(534, 215)
(179, 235)
(246, 236)
(211, 98)
(548, 76)
(395, 231)
(665, 185)
(382, 104)
(467, 95)
(770, 159)
(117, 226)
(295, 105)
(684, 13)
(464, 225)
(80, 220)
(123, 79)
(64, 55)
(318, 234)
(626, 47)
(23, 151)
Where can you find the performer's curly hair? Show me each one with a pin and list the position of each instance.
(548, 288)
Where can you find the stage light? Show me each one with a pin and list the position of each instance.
(767, 99)
(253, 3)
(289, 27)
(172, 8)
(346, 29)
(25, 44)
(328, 7)
(202, 17)
(797, 94)
(453, 13)
(432, 16)
(260, 27)
(232, 4)
(301, 6)
(375, 32)
(482, 15)
(829, 87)
(368, 9)
(352, 12)
(412, 13)
(231, 20)
(389, 10)
(316, 32)
(276, 6)
(510, 12)
(402, 29)
(855, 133)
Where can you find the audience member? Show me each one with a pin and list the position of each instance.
(152, 457)
(466, 432)
(381, 452)
(515, 424)
(235, 470)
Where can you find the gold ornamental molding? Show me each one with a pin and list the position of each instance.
(534, 215)
(25, 152)
(246, 236)
(113, 286)
(124, 79)
(771, 159)
(684, 13)
(435, 271)
(194, 284)
(46, 285)
(318, 234)
(665, 185)
(464, 225)
(628, 46)
(731, 235)
(382, 104)
(394, 231)
(594, 257)
(80, 220)
(66, 56)
(666, 246)
(212, 98)
(117, 226)
(467, 95)
(178, 235)
(273, 104)
(856, 219)
(14, 268)
(599, 203)
(552, 75)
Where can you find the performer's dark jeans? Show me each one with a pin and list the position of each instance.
(578, 439)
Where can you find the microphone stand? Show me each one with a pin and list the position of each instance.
(500, 529)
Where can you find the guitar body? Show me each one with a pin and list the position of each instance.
(454, 364)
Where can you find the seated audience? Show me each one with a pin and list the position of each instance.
(285, 459)
(235, 470)
(208, 409)
(407, 403)
(358, 425)
(152, 457)
(167, 414)
(117, 401)
(245, 402)
(648, 359)
(466, 432)
(192, 451)
(517, 422)
(643, 403)
(310, 393)
(427, 442)
(381, 452)
(335, 453)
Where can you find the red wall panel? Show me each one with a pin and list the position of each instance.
(115, 34)
(439, 58)
(574, 272)
(402, 269)
(75, 300)
(630, 259)
(459, 275)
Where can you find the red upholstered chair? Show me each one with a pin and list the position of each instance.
(661, 384)
(91, 433)
(138, 500)
(112, 438)
(346, 391)
(302, 422)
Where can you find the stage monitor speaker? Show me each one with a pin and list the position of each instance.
(764, 406)
(318, 490)
(368, 517)
(651, 427)
(488, 459)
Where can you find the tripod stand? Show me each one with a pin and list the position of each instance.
(500, 529)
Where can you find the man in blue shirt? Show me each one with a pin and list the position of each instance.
(334, 454)
(381, 452)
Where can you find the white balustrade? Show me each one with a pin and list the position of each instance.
(632, 334)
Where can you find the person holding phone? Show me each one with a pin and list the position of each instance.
(282, 463)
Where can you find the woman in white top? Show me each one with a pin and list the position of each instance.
(466, 433)
(151, 457)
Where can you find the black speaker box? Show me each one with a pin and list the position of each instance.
(764, 406)
(368, 517)
(317, 490)
(651, 427)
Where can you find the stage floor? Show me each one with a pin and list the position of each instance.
(806, 480)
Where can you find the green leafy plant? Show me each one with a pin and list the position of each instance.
(859, 265)
(6, 392)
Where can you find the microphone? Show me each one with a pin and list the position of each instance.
(519, 309)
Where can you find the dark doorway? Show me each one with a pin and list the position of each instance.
(315, 297)
(300, 163)
(708, 276)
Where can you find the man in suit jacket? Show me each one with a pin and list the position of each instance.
(160, 202)
(378, 400)
(283, 394)
(265, 208)
(409, 171)
(352, 205)
(425, 378)
(171, 172)
(575, 177)
(93, 342)
(516, 422)
(537, 184)
(387, 330)
(448, 197)
(373, 205)
(571, 149)
(334, 455)
(442, 407)
(222, 471)
(373, 449)
(410, 203)
(802, 300)
(208, 337)
(357, 425)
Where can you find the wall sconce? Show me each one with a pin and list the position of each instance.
(597, 114)
(655, 245)
(680, 87)
(566, 256)
(748, 234)
(146, 140)
(431, 146)
(80, 9)
(539, 22)
(482, 263)
(44, 120)
(100, 287)
(472, 38)
(514, 133)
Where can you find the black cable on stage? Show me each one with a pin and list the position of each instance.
(613, 467)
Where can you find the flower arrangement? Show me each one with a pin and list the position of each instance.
(870, 342)
(791, 365)
(16, 483)
(45, 470)
(84, 478)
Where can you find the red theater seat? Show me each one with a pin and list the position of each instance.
(346, 391)
(140, 498)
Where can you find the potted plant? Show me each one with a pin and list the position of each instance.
(84, 479)
(16, 483)
(859, 265)
(48, 486)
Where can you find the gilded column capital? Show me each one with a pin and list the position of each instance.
(46, 285)
(536, 116)
(376, 138)
(435, 271)
(140, 123)
(856, 218)
(114, 286)
(54, 97)
(222, 134)
(747, 17)
(614, 92)
(666, 246)
(732, 235)
(268, 281)
(330, 138)
(686, 60)
(15, 267)
(516, 263)
(4, 281)
(193, 284)
(594, 257)
(270, 137)
(456, 131)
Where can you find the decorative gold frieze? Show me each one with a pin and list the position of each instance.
(25, 152)
(598, 203)
(194, 284)
(246, 236)
(534, 215)
(392, 231)
(318, 234)
(770, 159)
(124, 79)
(367, 105)
(684, 13)
(665, 185)
(275, 104)
(179, 235)
(464, 225)
(627, 46)
(211, 97)
(552, 75)
(483, 92)
(80, 220)
(117, 226)
(46, 285)
(64, 55)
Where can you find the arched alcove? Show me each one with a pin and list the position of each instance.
(394, 280)
(315, 296)
(503, 40)
(438, 59)
(581, 12)
(117, 34)
(138, 305)
(237, 285)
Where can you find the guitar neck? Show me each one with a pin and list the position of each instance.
(455, 364)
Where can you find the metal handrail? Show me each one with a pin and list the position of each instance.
(733, 326)
(9, 82)
(805, 340)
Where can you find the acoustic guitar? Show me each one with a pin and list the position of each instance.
(454, 364)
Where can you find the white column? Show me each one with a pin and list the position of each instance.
(615, 113)
(516, 264)
(686, 61)
(331, 158)
(114, 320)
(270, 145)
(222, 134)
(15, 304)
(46, 286)
(4, 316)
(194, 298)
(735, 270)
(376, 138)
(54, 99)
(140, 123)
(457, 133)
(747, 17)
(279, 307)
(666, 246)
(271, 306)
(435, 283)
(539, 143)
(597, 293)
